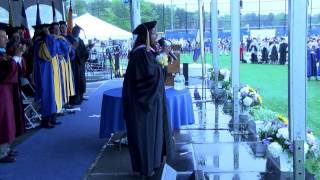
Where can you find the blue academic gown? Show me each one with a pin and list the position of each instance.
(67, 85)
(46, 76)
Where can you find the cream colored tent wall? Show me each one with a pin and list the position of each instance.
(17, 4)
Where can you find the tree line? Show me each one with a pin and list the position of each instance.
(117, 13)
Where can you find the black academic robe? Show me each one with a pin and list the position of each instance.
(254, 56)
(264, 55)
(313, 56)
(116, 62)
(274, 54)
(144, 104)
(283, 53)
(78, 68)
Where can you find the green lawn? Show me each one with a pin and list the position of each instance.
(272, 82)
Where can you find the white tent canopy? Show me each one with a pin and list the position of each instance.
(96, 28)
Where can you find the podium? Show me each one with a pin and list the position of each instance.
(173, 67)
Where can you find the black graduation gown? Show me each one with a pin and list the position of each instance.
(144, 104)
(116, 62)
(264, 55)
(283, 53)
(274, 54)
(254, 57)
(78, 68)
(313, 62)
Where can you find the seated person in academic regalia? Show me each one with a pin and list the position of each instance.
(11, 111)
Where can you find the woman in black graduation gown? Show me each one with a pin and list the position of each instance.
(144, 104)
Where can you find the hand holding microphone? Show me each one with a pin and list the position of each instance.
(166, 46)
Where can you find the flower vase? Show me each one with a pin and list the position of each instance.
(227, 107)
(282, 163)
(259, 149)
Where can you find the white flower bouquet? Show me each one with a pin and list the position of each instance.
(249, 97)
(223, 77)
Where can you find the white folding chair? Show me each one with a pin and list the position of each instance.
(31, 110)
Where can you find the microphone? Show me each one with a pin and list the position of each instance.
(174, 57)
(166, 43)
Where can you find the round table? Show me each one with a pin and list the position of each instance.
(179, 106)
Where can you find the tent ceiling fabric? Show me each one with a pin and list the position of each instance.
(96, 28)
(17, 4)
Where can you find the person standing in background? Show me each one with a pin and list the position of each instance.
(11, 112)
(78, 67)
(283, 51)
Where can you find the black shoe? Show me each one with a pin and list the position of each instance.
(7, 159)
(68, 106)
(12, 153)
(56, 122)
(47, 125)
(84, 99)
(71, 111)
(60, 114)
(74, 103)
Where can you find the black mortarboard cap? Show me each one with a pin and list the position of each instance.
(54, 24)
(4, 26)
(13, 30)
(77, 27)
(62, 23)
(144, 27)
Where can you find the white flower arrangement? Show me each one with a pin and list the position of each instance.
(224, 79)
(224, 75)
(247, 101)
(246, 93)
(275, 149)
(312, 143)
(283, 133)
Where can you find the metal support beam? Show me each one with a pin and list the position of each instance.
(63, 12)
(200, 3)
(235, 55)
(235, 73)
(171, 14)
(215, 52)
(135, 13)
(297, 82)
(214, 37)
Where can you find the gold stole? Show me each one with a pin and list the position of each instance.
(45, 54)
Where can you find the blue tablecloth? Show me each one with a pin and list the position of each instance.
(179, 105)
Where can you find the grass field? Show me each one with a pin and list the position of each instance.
(272, 82)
